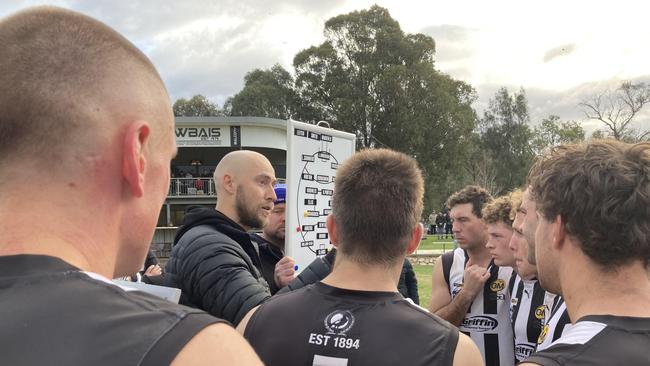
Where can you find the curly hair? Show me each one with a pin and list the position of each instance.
(499, 210)
(475, 195)
(601, 191)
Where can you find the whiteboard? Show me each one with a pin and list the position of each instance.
(314, 154)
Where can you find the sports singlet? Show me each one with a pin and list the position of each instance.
(527, 310)
(555, 323)
(488, 319)
(323, 325)
(600, 340)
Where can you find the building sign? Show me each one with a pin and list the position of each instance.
(204, 136)
(235, 136)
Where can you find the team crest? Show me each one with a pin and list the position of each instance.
(498, 285)
(542, 334)
(540, 311)
(339, 322)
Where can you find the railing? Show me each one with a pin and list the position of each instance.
(195, 187)
(191, 187)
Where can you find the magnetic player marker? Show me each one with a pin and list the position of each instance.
(298, 229)
(295, 268)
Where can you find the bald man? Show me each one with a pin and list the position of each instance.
(215, 261)
(85, 113)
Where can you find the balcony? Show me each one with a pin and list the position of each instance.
(191, 187)
(195, 187)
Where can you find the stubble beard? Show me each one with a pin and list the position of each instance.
(247, 216)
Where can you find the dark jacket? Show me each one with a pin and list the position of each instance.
(408, 284)
(216, 265)
(318, 269)
(270, 255)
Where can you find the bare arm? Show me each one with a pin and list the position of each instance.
(467, 354)
(454, 310)
(241, 327)
(217, 344)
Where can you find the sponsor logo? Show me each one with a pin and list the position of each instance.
(523, 351)
(479, 323)
(339, 322)
(542, 334)
(498, 285)
(212, 132)
(540, 311)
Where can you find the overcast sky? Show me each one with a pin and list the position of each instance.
(560, 52)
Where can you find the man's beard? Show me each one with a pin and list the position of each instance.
(247, 216)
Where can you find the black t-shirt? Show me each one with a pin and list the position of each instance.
(51, 313)
(600, 340)
(328, 326)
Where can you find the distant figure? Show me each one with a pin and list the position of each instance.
(345, 319)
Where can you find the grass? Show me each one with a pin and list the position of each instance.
(432, 242)
(423, 275)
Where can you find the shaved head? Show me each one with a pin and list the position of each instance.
(239, 163)
(66, 81)
(244, 180)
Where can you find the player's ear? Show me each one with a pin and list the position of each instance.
(135, 141)
(416, 238)
(331, 229)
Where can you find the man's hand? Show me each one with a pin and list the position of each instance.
(474, 279)
(284, 271)
(153, 270)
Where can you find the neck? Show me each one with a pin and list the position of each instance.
(50, 223)
(354, 276)
(623, 292)
(479, 255)
(229, 210)
(275, 241)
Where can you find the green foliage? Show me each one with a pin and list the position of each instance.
(267, 93)
(502, 154)
(553, 132)
(371, 79)
(197, 106)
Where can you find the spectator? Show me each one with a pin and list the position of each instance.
(84, 110)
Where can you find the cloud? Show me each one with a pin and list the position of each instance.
(563, 50)
(563, 103)
(451, 41)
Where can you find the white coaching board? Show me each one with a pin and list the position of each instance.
(314, 154)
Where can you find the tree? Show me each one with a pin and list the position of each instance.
(504, 141)
(372, 79)
(268, 93)
(197, 106)
(617, 109)
(553, 132)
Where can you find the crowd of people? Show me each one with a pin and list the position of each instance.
(554, 274)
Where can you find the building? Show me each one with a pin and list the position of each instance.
(202, 142)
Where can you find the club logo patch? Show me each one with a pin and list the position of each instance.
(339, 322)
(542, 334)
(540, 311)
(498, 285)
